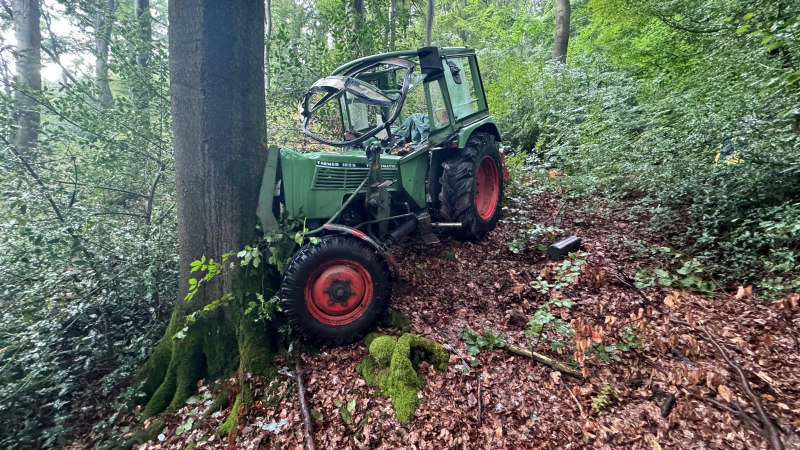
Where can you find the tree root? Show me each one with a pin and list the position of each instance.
(140, 437)
(231, 423)
(221, 401)
(172, 372)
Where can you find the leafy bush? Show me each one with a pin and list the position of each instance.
(643, 109)
(562, 275)
(477, 342)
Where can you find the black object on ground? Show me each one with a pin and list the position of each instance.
(669, 403)
(560, 249)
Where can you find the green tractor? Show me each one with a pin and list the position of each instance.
(417, 151)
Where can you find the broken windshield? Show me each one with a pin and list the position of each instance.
(345, 110)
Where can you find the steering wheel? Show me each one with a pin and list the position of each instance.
(356, 91)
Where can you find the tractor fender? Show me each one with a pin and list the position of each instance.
(393, 266)
(483, 125)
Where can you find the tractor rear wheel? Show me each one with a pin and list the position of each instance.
(333, 292)
(472, 187)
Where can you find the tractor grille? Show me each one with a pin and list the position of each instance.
(346, 178)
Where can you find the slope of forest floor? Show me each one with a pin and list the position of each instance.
(511, 402)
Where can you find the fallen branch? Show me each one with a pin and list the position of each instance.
(479, 401)
(538, 357)
(770, 431)
(580, 408)
(735, 410)
(301, 394)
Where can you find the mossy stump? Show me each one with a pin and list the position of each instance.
(389, 367)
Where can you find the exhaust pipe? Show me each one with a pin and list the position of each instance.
(401, 231)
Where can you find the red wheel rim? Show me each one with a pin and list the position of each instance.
(487, 187)
(338, 292)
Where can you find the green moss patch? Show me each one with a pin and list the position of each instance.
(389, 367)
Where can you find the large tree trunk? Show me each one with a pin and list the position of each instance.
(429, 24)
(29, 74)
(216, 73)
(103, 21)
(562, 31)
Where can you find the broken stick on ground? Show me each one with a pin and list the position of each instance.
(299, 371)
(538, 357)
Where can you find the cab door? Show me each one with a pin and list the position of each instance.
(464, 87)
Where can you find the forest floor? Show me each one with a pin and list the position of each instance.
(511, 402)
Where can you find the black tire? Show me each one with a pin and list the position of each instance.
(459, 180)
(308, 320)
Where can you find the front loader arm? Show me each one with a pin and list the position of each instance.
(267, 192)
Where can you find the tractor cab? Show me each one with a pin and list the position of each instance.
(401, 100)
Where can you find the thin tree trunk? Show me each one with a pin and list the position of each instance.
(392, 24)
(141, 97)
(358, 12)
(268, 25)
(103, 22)
(29, 75)
(562, 31)
(142, 11)
(429, 24)
(216, 70)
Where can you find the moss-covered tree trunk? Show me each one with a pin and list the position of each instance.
(216, 73)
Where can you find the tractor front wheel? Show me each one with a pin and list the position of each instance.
(333, 292)
(472, 187)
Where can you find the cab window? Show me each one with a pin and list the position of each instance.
(458, 72)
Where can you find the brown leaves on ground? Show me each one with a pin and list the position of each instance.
(525, 405)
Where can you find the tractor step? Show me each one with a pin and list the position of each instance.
(426, 229)
(430, 239)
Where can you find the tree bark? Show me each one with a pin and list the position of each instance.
(141, 96)
(562, 31)
(216, 73)
(103, 22)
(358, 11)
(268, 25)
(142, 12)
(429, 24)
(392, 24)
(29, 75)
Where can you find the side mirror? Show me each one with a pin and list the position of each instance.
(455, 71)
